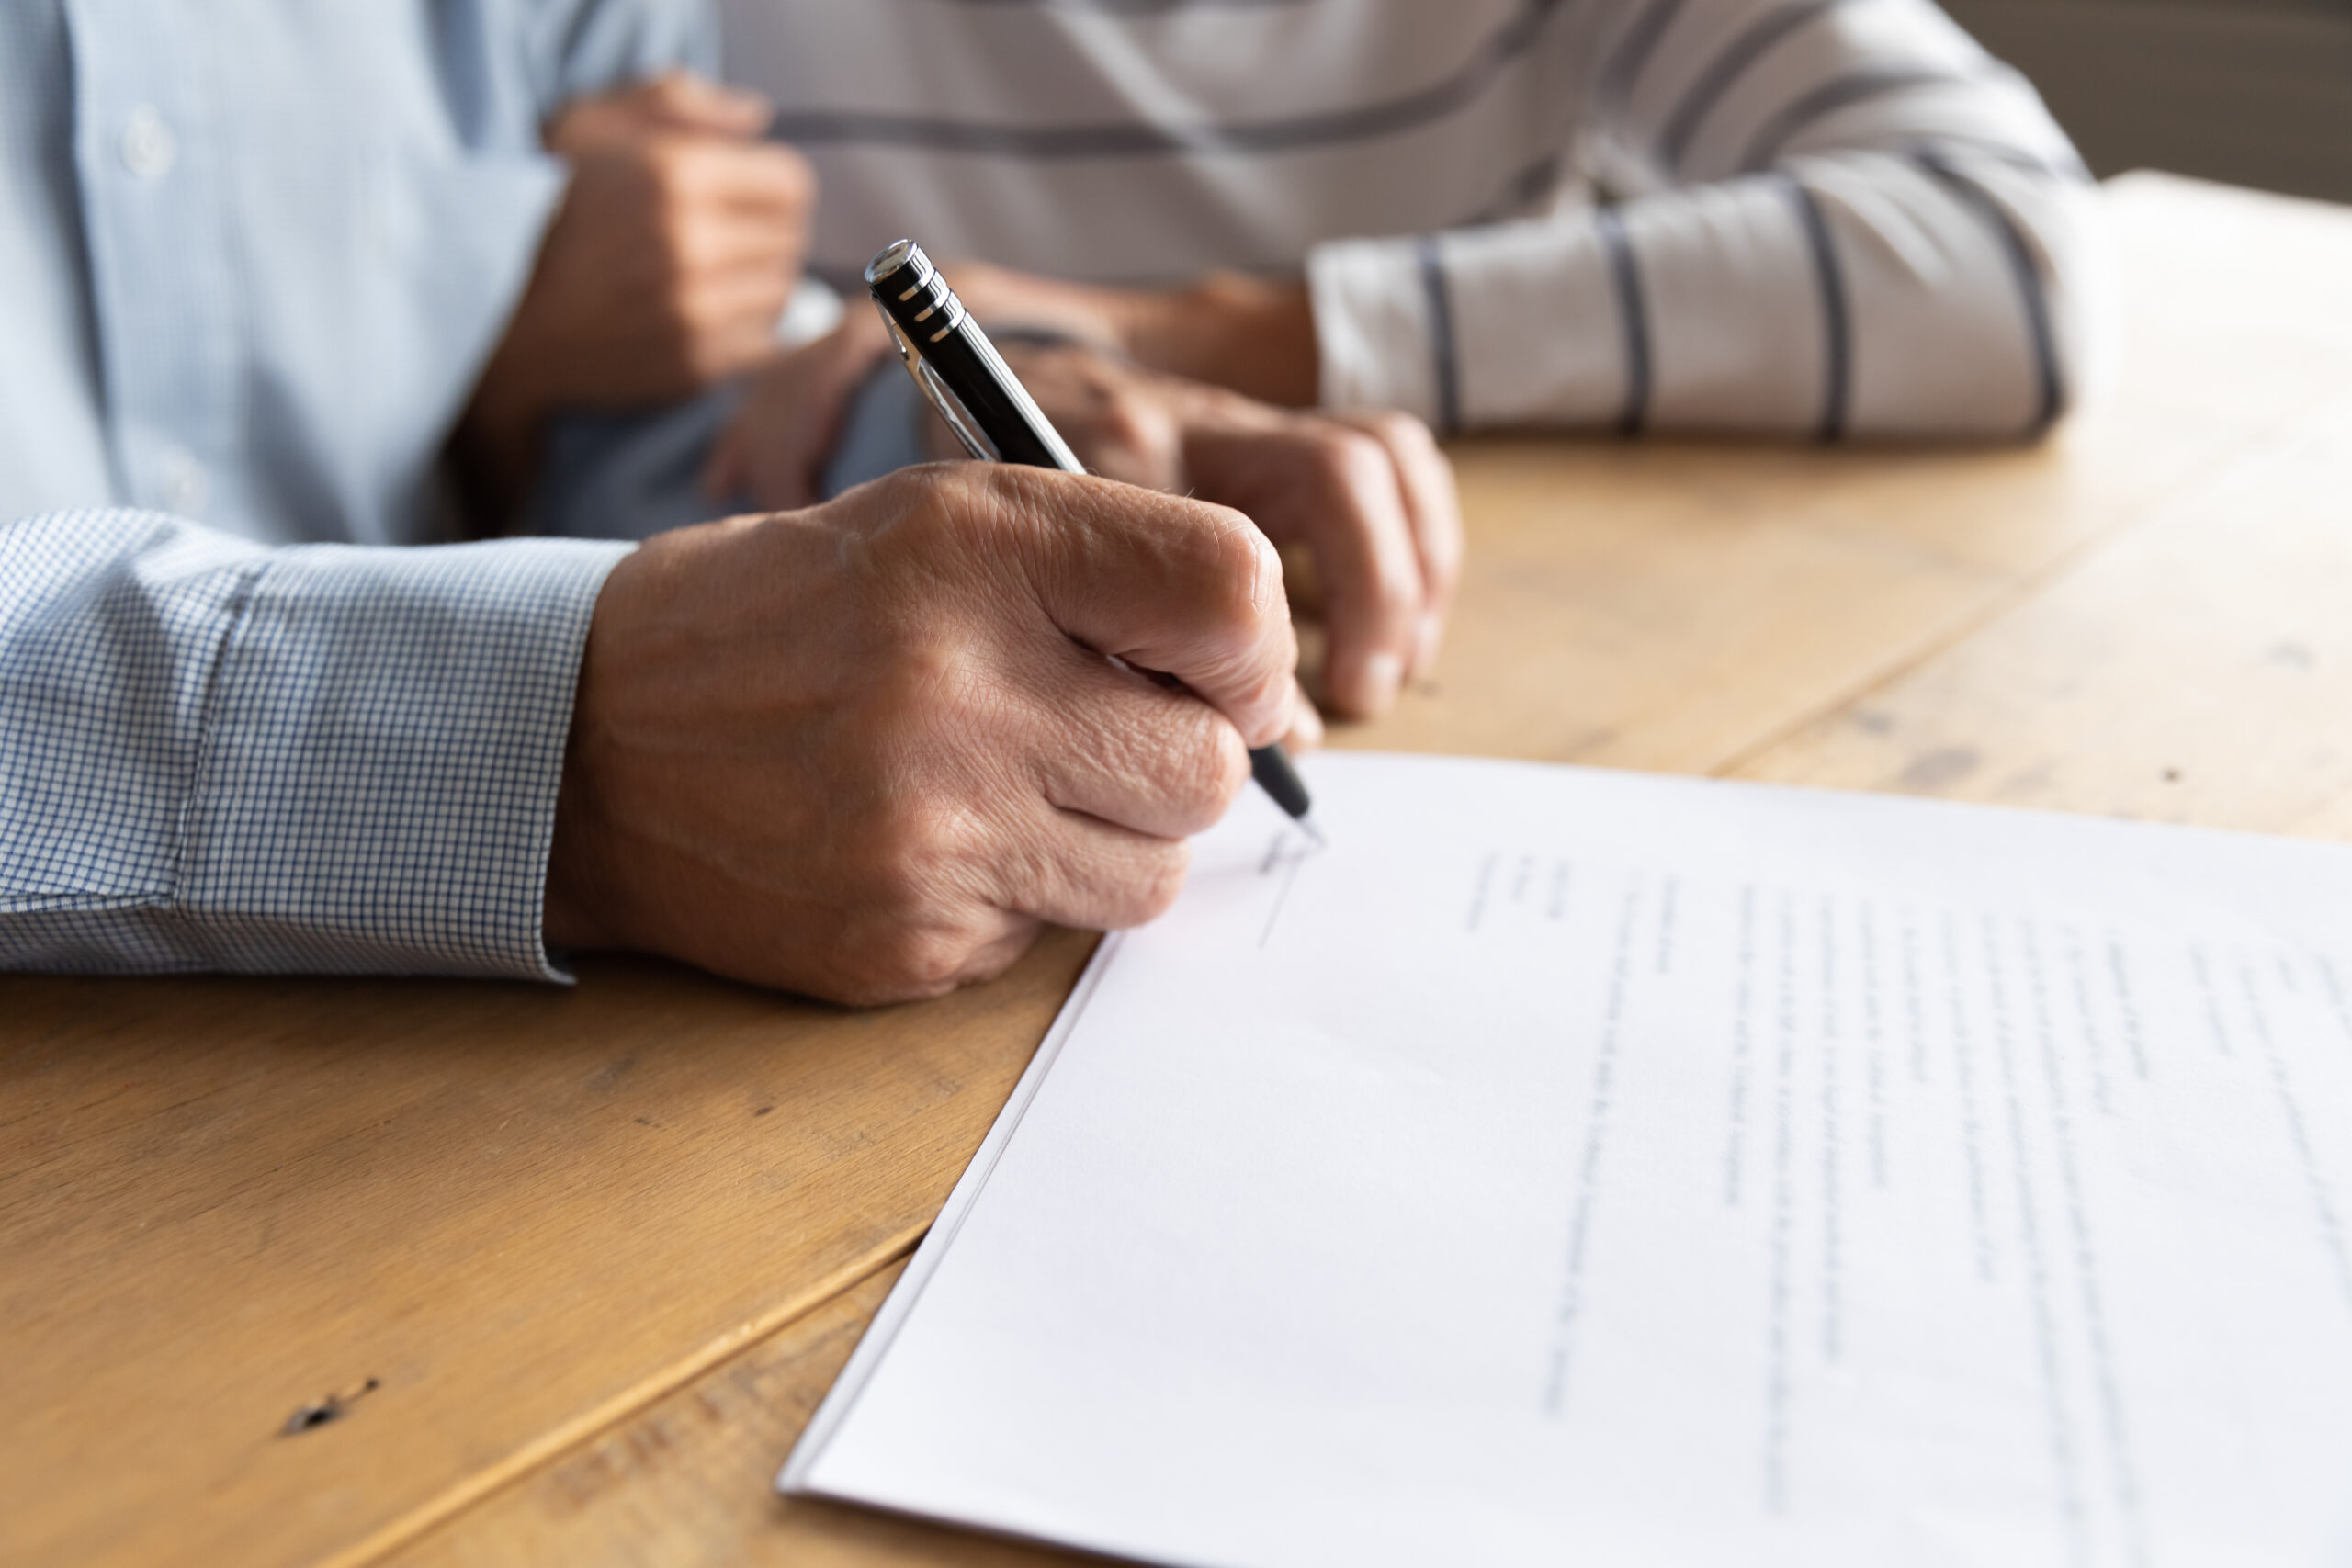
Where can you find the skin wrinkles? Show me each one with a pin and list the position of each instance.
(858, 749)
(1370, 496)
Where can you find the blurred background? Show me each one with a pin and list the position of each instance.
(2254, 92)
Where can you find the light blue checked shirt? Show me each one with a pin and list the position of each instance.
(252, 255)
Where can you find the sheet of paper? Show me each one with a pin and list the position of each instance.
(1573, 1167)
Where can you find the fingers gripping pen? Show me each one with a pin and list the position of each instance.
(993, 415)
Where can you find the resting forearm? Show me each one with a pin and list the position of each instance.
(1836, 221)
(320, 759)
(1854, 295)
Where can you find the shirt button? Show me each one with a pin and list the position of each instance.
(149, 148)
(184, 481)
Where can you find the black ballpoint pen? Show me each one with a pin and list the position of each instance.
(993, 415)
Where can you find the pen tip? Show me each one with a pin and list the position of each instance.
(1306, 825)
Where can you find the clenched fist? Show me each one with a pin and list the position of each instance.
(865, 749)
(676, 248)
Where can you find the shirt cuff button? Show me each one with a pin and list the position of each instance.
(148, 149)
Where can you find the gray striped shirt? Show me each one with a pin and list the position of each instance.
(1836, 217)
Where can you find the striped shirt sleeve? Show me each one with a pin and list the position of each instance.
(1830, 218)
(215, 755)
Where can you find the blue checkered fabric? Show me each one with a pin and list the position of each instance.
(217, 755)
(251, 259)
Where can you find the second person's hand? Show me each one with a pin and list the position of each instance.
(1369, 497)
(675, 249)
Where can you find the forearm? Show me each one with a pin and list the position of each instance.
(1855, 294)
(1833, 220)
(320, 759)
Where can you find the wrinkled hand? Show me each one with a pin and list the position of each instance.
(1369, 497)
(677, 247)
(865, 749)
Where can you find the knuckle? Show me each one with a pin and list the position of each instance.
(897, 525)
(1119, 425)
(905, 493)
(992, 959)
(944, 495)
(927, 960)
(1190, 764)
(1395, 591)
(933, 510)
(1136, 423)
(1208, 771)
(884, 958)
(1402, 432)
(1352, 461)
(1241, 580)
(911, 849)
(929, 685)
(1153, 891)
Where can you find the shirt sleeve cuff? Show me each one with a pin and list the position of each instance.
(384, 739)
(1372, 329)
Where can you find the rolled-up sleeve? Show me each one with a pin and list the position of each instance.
(216, 755)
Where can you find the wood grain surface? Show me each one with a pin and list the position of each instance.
(601, 1251)
(1678, 606)
(692, 1475)
(2198, 670)
(523, 1213)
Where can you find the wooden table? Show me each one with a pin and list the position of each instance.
(577, 1264)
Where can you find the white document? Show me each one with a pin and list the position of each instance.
(1574, 1168)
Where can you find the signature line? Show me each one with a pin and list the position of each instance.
(1290, 874)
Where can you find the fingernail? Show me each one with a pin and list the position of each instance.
(1382, 673)
(1306, 724)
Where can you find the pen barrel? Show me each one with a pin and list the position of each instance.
(1019, 434)
(994, 414)
(950, 345)
(1270, 766)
